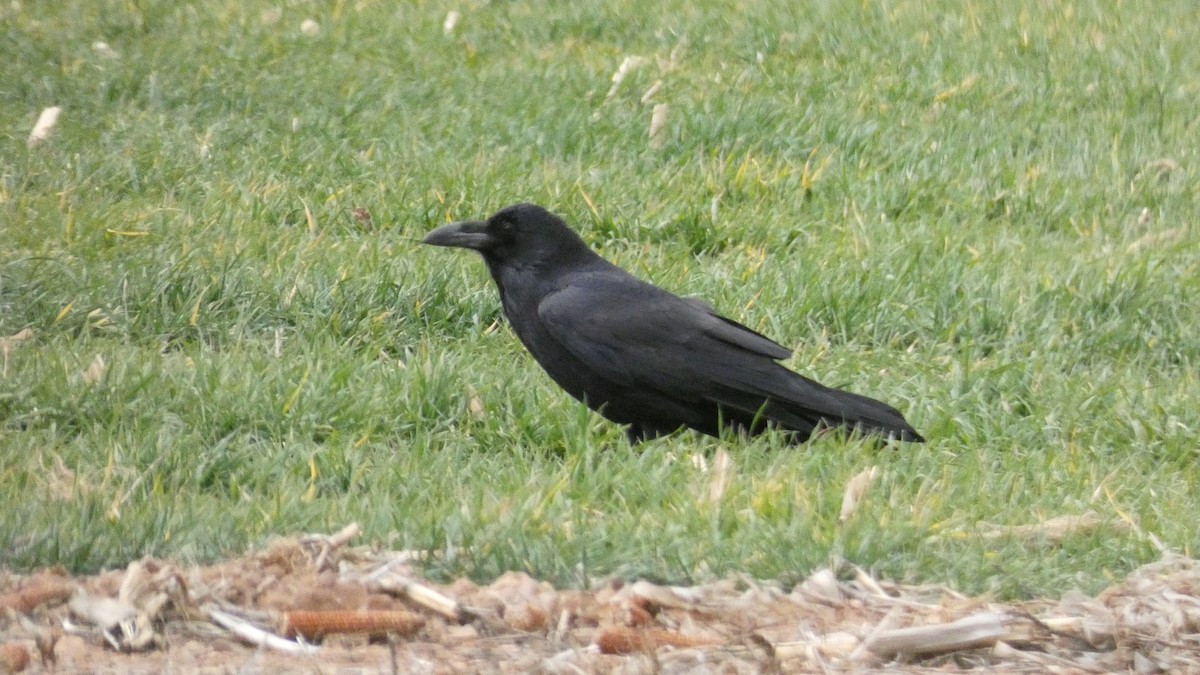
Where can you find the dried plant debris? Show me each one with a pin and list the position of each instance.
(45, 124)
(315, 602)
(658, 123)
(856, 489)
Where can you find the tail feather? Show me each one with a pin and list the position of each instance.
(795, 402)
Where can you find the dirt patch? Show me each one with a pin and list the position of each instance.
(316, 605)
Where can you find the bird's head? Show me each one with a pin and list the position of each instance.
(516, 236)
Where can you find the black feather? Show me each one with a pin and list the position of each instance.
(640, 355)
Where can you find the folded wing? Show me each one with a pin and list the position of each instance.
(638, 337)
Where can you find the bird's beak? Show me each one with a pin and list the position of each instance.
(470, 234)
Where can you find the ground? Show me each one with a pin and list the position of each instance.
(363, 610)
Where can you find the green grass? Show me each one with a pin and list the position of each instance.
(984, 214)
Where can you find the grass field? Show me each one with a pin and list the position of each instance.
(983, 213)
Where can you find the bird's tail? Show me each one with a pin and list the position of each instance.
(794, 402)
(868, 415)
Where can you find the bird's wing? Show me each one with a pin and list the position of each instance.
(734, 333)
(636, 335)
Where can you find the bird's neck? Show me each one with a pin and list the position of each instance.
(523, 286)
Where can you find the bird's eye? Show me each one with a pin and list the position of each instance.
(506, 229)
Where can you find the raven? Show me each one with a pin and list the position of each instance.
(642, 356)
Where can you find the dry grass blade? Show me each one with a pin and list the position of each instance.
(650, 93)
(1054, 530)
(475, 405)
(10, 343)
(95, 371)
(102, 48)
(326, 546)
(980, 630)
(722, 476)
(627, 66)
(44, 125)
(390, 582)
(856, 488)
(1153, 239)
(658, 123)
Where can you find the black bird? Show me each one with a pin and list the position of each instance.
(642, 356)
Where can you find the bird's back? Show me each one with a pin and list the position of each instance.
(656, 361)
